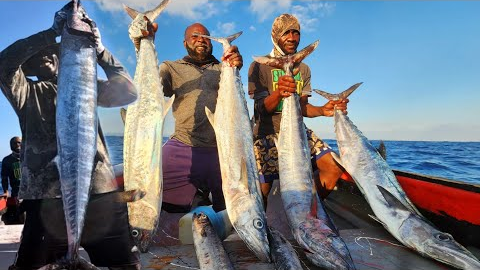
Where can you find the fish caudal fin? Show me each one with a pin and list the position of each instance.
(210, 116)
(341, 95)
(168, 106)
(225, 41)
(123, 114)
(288, 62)
(151, 14)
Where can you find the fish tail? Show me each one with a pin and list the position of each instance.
(342, 95)
(151, 14)
(225, 41)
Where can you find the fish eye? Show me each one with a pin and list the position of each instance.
(135, 233)
(258, 223)
(443, 237)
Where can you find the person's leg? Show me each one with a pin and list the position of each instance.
(206, 174)
(328, 170)
(31, 252)
(266, 156)
(106, 234)
(178, 191)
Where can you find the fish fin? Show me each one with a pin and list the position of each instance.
(130, 11)
(341, 95)
(123, 114)
(130, 195)
(276, 62)
(299, 56)
(382, 150)
(337, 158)
(153, 14)
(225, 41)
(168, 106)
(376, 219)
(85, 265)
(392, 200)
(210, 116)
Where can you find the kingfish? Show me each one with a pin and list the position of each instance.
(386, 197)
(240, 183)
(313, 230)
(76, 127)
(211, 254)
(142, 156)
(283, 255)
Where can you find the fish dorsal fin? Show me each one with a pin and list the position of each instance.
(210, 116)
(341, 95)
(168, 105)
(337, 158)
(123, 114)
(151, 14)
(288, 62)
(382, 150)
(391, 200)
(225, 41)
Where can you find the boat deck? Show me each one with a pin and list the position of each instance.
(371, 246)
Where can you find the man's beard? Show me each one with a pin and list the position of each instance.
(199, 55)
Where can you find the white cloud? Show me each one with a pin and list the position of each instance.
(308, 12)
(252, 28)
(189, 9)
(225, 29)
(264, 9)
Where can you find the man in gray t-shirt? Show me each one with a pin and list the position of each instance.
(190, 158)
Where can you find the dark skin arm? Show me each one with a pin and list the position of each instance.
(287, 86)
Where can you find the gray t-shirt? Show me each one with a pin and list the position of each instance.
(194, 88)
(262, 81)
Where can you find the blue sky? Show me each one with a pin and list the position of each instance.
(419, 60)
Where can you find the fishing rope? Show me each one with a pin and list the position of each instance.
(377, 239)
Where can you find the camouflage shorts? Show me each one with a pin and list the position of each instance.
(267, 156)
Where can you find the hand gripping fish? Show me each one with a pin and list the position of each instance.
(76, 124)
(211, 254)
(386, 197)
(312, 228)
(142, 147)
(240, 183)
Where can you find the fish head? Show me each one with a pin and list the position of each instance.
(429, 241)
(248, 219)
(323, 246)
(142, 239)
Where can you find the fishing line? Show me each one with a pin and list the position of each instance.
(378, 239)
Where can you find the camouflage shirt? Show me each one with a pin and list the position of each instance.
(194, 88)
(34, 103)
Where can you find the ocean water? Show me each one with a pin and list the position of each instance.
(452, 160)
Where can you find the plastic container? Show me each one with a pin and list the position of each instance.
(220, 222)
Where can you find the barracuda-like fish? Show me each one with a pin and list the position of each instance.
(387, 199)
(211, 254)
(284, 256)
(313, 230)
(76, 123)
(240, 183)
(142, 156)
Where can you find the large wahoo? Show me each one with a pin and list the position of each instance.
(76, 124)
(142, 148)
(240, 183)
(387, 199)
(312, 230)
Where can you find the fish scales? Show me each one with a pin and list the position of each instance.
(240, 183)
(211, 254)
(76, 123)
(143, 135)
(386, 197)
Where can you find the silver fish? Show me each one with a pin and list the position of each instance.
(76, 124)
(284, 256)
(312, 229)
(142, 156)
(240, 183)
(386, 197)
(209, 249)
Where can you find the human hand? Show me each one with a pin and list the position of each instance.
(330, 107)
(97, 38)
(233, 57)
(286, 86)
(140, 28)
(60, 18)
